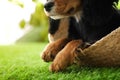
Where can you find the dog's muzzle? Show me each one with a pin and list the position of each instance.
(48, 6)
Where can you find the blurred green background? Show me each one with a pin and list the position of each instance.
(35, 27)
(39, 22)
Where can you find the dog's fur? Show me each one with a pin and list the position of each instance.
(62, 28)
(97, 19)
(61, 32)
(65, 57)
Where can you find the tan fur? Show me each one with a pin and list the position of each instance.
(105, 52)
(65, 57)
(57, 41)
(52, 49)
(63, 6)
(55, 50)
(62, 31)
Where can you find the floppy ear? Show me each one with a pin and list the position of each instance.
(98, 12)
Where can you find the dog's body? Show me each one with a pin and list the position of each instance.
(61, 32)
(97, 19)
(63, 28)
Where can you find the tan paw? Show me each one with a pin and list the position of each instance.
(52, 49)
(65, 57)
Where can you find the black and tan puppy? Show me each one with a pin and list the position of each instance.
(62, 35)
(61, 31)
(94, 19)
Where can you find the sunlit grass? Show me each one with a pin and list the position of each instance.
(22, 62)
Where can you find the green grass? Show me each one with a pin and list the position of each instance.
(22, 62)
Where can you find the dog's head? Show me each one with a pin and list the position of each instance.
(57, 9)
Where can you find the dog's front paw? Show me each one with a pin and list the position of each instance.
(50, 52)
(53, 48)
(60, 63)
(65, 57)
(56, 67)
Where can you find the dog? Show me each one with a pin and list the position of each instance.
(61, 32)
(97, 18)
(94, 20)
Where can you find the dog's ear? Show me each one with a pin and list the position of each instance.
(98, 12)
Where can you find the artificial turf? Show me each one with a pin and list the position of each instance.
(22, 62)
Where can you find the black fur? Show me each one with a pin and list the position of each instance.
(54, 25)
(99, 18)
(72, 31)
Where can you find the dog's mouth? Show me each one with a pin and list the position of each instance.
(56, 10)
(54, 15)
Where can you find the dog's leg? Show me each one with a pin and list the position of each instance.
(65, 57)
(53, 48)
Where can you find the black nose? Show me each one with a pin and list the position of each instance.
(48, 6)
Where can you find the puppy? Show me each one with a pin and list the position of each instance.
(95, 19)
(63, 36)
(62, 30)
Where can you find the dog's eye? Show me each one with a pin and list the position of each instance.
(70, 10)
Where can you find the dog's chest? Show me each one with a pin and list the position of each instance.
(61, 32)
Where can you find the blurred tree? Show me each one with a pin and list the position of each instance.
(17, 2)
(39, 21)
(22, 23)
(38, 18)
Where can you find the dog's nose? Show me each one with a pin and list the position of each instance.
(48, 6)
